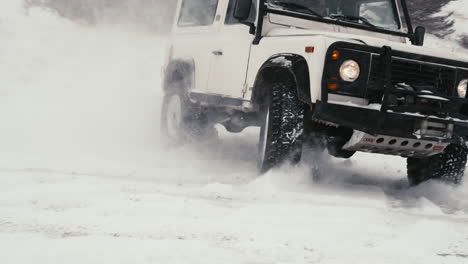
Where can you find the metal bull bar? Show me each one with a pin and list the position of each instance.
(385, 82)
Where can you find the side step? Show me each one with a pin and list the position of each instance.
(404, 147)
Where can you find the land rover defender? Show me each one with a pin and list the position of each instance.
(342, 75)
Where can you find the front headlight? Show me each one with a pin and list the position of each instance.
(350, 71)
(462, 87)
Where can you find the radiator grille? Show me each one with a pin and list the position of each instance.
(421, 76)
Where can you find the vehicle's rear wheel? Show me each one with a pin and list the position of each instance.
(281, 134)
(182, 121)
(448, 167)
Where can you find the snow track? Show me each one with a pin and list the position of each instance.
(85, 179)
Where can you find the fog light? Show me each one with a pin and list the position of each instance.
(350, 71)
(462, 87)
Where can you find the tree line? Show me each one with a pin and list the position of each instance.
(158, 14)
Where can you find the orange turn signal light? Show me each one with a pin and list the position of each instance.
(309, 49)
(332, 86)
(335, 55)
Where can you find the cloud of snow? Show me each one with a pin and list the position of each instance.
(155, 15)
(86, 100)
(70, 91)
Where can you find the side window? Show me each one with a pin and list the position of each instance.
(230, 20)
(197, 13)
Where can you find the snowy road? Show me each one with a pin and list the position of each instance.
(85, 179)
(53, 217)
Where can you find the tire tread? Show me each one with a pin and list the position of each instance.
(286, 128)
(448, 167)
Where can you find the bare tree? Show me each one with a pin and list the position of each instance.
(424, 13)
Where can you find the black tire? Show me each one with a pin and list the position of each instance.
(448, 167)
(281, 135)
(190, 127)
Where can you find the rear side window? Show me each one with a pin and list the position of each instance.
(197, 13)
(230, 20)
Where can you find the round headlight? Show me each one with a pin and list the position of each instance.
(350, 71)
(462, 87)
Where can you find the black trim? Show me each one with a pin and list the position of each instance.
(392, 119)
(263, 9)
(408, 20)
(387, 55)
(331, 73)
(261, 16)
(297, 66)
(367, 120)
(397, 14)
(385, 82)
(336, 22)
(400, 54)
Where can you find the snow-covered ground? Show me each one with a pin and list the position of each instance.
(84, 177)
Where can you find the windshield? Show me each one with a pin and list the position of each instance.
(372, 13)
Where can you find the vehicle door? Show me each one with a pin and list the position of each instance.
(195, 32)
(231, 55)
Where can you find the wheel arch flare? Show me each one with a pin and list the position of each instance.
(284, 65)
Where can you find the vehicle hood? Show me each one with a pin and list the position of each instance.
(332, 37)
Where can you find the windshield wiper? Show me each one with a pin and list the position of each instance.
(296, 6)
(353, 19)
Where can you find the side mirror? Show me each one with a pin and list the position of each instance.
(242, 9)
(419, 35)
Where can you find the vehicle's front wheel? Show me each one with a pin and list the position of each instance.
(182, 121)
(282, 129)
(448, 167)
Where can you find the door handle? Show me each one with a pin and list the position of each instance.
(217, 52)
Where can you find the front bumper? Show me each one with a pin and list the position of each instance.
(413, 93)
(377, 122)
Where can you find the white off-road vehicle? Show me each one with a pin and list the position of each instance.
(346, 75)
